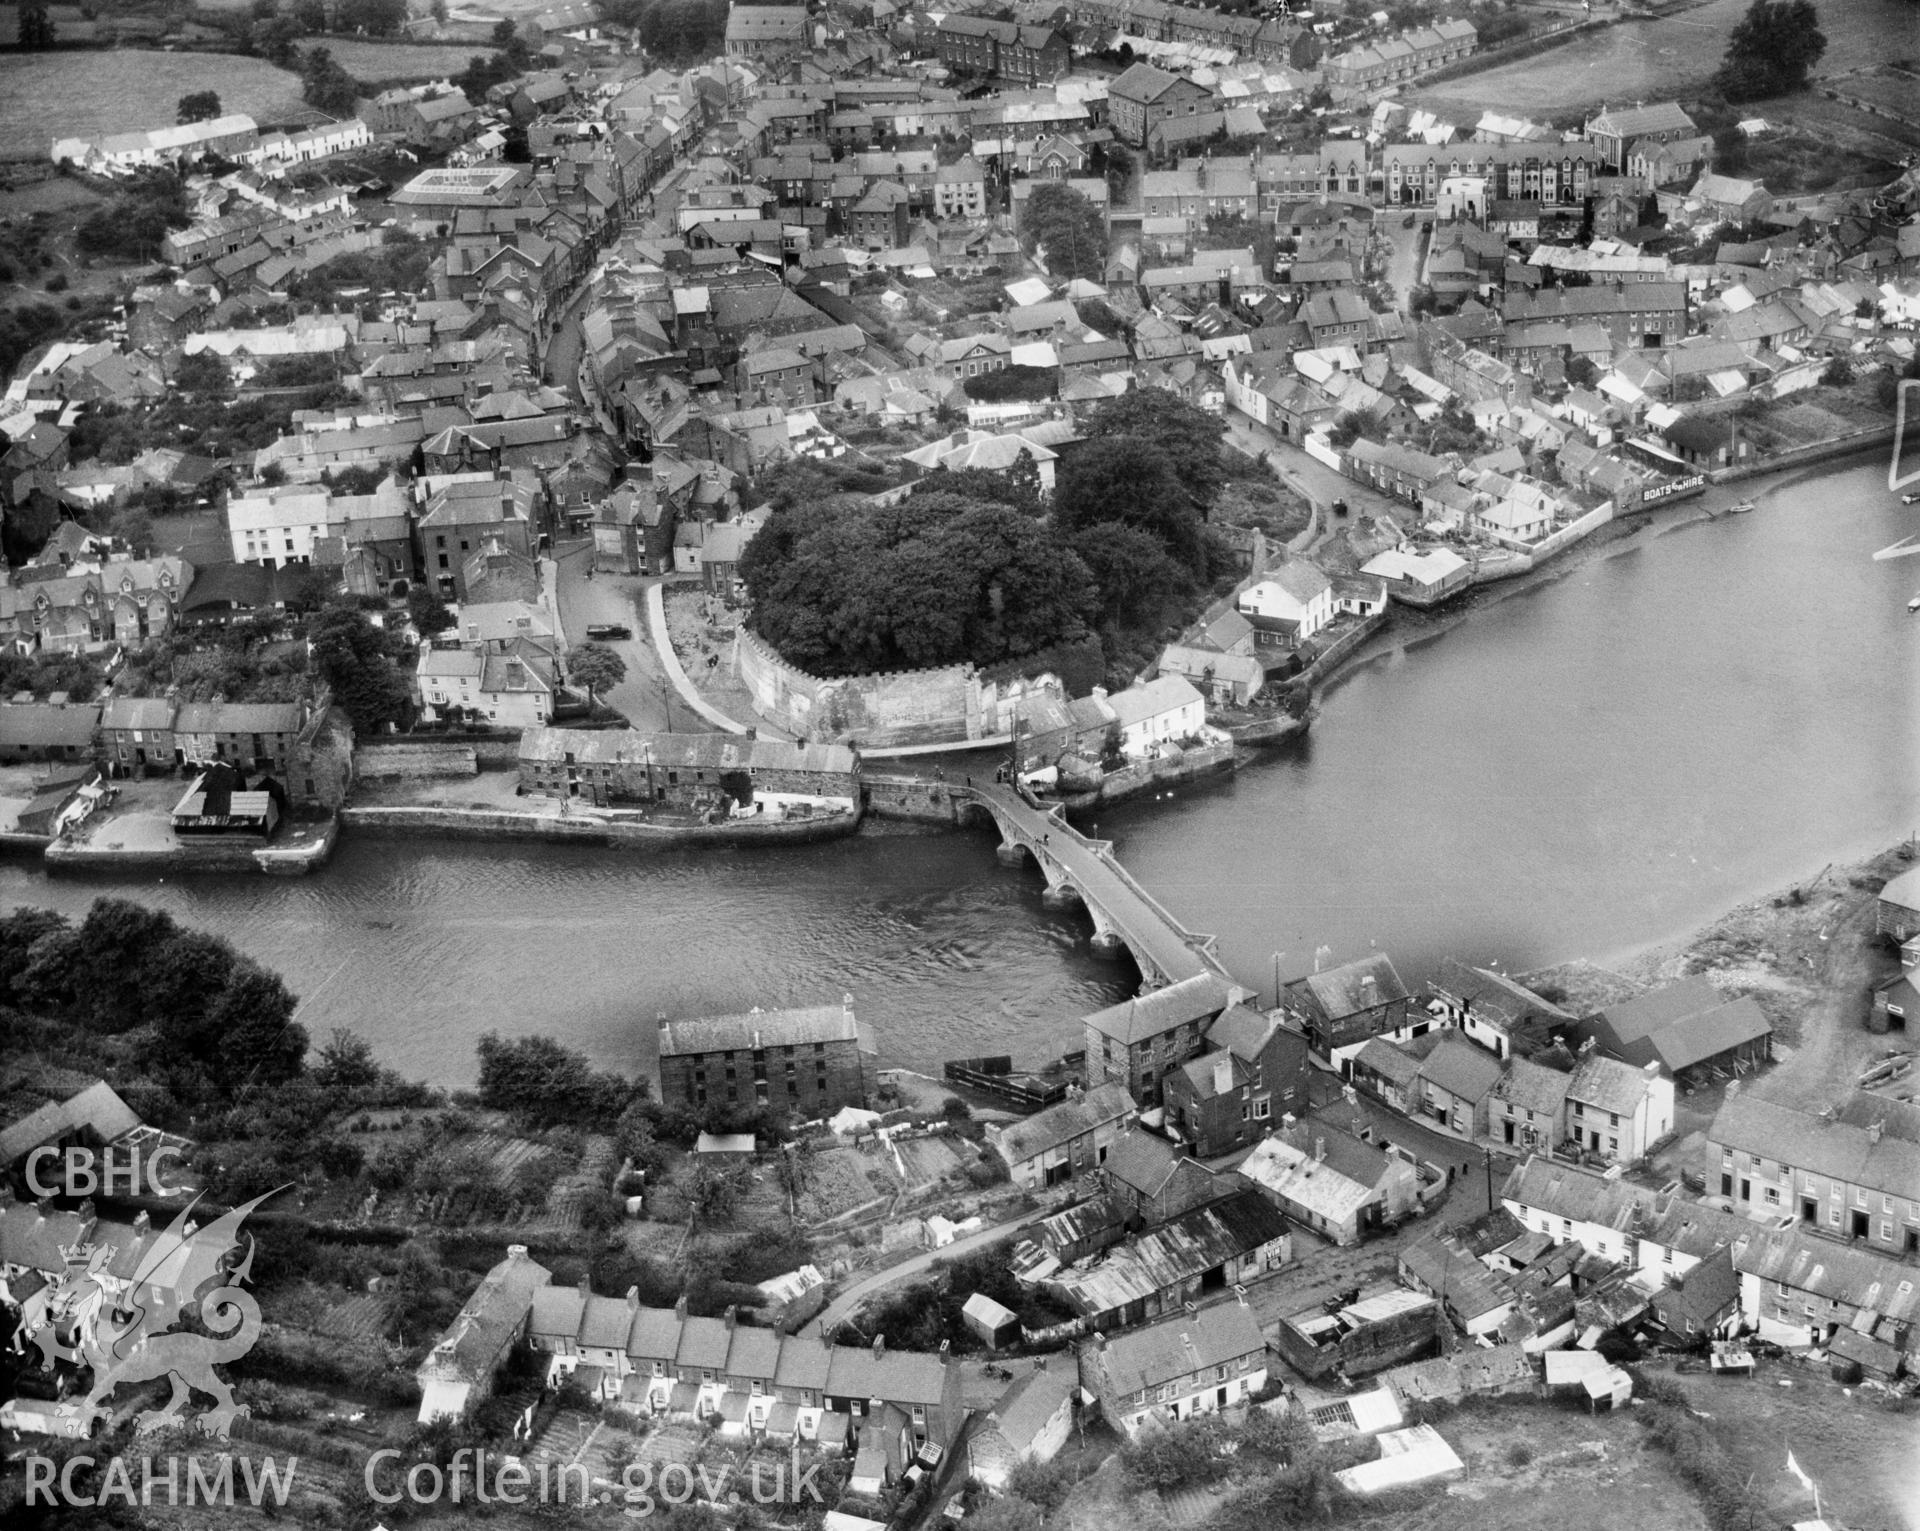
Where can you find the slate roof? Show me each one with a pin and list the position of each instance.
(1177, 1346)
(1843, 1149)
(1710, 1033)
(1461, 1069)
(1530, 1086)
(1341, 991)
(1061, 1124)
(1143, 1162)
(1632, 1019)
(758, 1028)
(1852, 1275)
(1607, 1084)
(1148, 1015)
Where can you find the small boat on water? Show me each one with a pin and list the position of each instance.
(1739, 507)
(1914, 604)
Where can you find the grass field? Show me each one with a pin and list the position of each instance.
(45, 96)
(1653, 60)
(399, 61)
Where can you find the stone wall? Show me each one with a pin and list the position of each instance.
(917, 799)
(889, 710)
(415, 761)
(1409, 1336)
(484, 824)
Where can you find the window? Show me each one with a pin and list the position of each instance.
(1833, 1217)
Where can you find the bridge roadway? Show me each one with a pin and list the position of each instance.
(1084, 870)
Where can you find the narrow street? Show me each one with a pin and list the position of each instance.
(1306, 475)
(1403, 269)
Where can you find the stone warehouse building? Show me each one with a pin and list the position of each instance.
(617, 766)
(812, 1060)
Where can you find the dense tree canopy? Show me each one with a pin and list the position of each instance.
(844, 586)
(198, 106)
(356, 659)
(1772, 50)
(978, 567)
(377, 18)
(1069, 229)
(323, 83)
(545, 1084)
(1184, 433)
(209, 1022)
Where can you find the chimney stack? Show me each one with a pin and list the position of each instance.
(879, 1346)
(1320, 1149)
(633, 1299)
(1874, 1130)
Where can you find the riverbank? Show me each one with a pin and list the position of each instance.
(1806, 953)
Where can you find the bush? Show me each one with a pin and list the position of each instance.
(57, 282)
(1519, 1454)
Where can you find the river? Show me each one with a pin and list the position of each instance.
(1591, 760)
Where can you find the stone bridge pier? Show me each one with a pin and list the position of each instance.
(1062, 891)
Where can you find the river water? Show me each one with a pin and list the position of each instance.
(1588, 761)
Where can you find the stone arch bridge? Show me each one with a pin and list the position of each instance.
(1083, 870)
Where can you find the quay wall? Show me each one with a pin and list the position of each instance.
(1205, 760)
(491, 824)
(916, 799)
(1800, 457)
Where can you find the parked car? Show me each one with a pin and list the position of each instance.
(608, 630)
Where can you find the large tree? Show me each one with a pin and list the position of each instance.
(355, 658)
(596, 667)
(1131, 481)
(1069, 229)
(198, 106)
(1187, 435)
(1772, 50)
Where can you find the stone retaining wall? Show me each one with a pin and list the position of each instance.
(1800, 457)
(416, 760)
(950, 704)
(486, 824)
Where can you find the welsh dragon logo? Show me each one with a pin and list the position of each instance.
(132, 1339)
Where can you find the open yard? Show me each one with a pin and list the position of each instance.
(1651, 60)
(44, 96)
